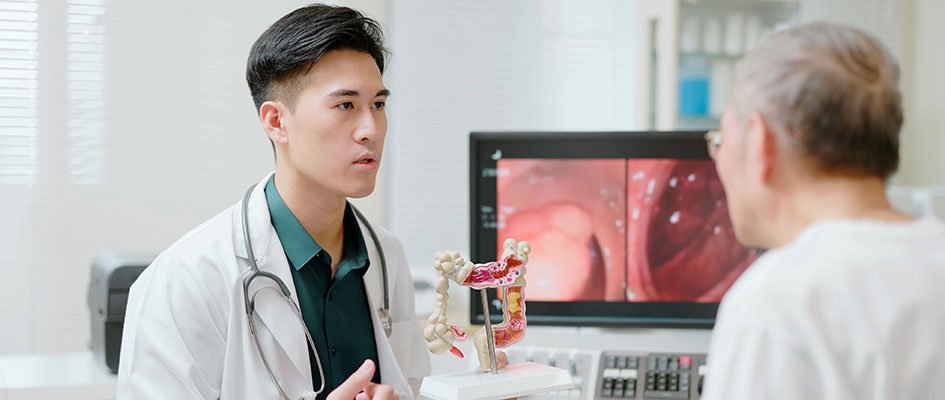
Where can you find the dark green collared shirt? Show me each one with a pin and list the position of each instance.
(335, 309)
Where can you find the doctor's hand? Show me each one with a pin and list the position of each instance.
(359, 386)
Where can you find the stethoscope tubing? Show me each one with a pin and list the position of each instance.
(250, 301)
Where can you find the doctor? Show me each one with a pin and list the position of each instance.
(201, 325)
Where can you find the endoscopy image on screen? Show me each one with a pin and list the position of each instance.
(573, 213)
(638, 230)
(680, 241)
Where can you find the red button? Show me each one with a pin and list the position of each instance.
(685, 360)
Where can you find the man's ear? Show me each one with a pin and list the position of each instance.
(762, 146)
(272, 116)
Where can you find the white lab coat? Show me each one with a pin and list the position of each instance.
(186, 334)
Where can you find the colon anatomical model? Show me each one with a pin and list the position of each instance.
(506, 275)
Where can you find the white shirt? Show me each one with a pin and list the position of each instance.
(851, 309)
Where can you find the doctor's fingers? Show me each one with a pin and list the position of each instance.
(375, 391)
(356, 382)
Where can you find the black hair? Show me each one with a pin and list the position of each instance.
(284, 53)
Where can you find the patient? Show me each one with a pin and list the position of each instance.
(847, 303)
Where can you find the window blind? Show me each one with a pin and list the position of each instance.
(85, 77)
(19, 39)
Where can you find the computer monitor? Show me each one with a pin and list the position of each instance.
(626, 228)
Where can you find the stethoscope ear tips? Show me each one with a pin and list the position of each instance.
(308, 396)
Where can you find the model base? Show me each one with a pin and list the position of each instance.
(515, 380)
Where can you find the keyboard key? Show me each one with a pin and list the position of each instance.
(610, 362)
(621, 363)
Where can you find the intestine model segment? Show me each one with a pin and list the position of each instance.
(507, 275)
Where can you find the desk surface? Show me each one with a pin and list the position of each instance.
(59, 375)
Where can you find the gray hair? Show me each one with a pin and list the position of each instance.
(834, 89)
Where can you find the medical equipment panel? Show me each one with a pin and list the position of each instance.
(111, 278)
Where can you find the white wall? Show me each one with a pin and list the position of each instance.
(923, 137)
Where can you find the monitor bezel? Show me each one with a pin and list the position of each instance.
(682, 144)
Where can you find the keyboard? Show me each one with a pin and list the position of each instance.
(612, 375)
(633, 375)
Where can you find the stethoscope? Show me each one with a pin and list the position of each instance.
(382, 313)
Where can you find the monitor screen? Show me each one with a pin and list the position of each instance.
(626, 228)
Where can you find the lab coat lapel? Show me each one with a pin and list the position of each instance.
(279, 321)
(391, 374)
(373, 279)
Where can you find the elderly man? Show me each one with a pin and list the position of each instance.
(847, 304)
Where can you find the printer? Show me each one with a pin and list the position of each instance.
(112, 276)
